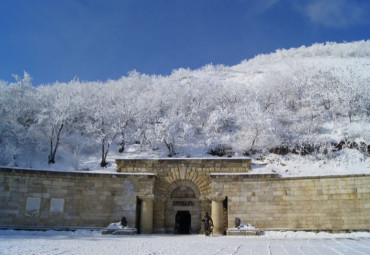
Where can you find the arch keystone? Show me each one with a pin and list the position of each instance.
(182, 173)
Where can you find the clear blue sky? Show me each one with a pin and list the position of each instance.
(105, 39)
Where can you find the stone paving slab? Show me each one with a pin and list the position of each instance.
(25, 242)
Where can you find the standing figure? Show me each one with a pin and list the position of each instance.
(208, 224)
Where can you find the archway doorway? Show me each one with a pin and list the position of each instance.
(182, 222)
(183, 209)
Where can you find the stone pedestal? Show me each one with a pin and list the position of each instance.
(217, 214)
(116, 228)
(243, 232)
(146, 222)
(123, 231)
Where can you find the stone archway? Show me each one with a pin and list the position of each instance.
(183, 200)
(196, 174)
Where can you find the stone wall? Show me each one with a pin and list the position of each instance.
(164, 187)
(48, 198)
(334, 203)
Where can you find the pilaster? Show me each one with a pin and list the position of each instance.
(146, 221)
(217, 214)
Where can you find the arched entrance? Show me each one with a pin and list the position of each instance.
(183, 211)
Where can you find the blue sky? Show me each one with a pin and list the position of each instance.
(58, 40)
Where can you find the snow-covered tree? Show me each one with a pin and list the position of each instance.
(284, 99)
(18, 114)
(258, 130)
(59, 104)
(100, 119)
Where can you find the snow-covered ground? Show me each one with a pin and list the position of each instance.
(346, 162)
(85, 242)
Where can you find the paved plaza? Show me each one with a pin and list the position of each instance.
(21, 242)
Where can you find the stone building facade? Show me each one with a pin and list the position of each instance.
(183, 192)
(173, 195)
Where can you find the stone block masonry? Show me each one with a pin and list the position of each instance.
(325, 203)
(50, 198)
(185, 174)
(169, 195)
(196, 171)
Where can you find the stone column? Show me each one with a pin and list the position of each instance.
(159, 214)
(204, 207)
(146, 221)
(217, 214)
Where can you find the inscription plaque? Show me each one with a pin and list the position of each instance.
(33, 206)
(182, 203)
(56, 206)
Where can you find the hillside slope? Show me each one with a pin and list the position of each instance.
(303, 111)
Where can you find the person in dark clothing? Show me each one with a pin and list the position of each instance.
(208, 224)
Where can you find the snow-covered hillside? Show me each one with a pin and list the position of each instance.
(303, 111)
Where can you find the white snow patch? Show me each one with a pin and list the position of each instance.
(344, 162)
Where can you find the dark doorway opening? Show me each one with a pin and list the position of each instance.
(182, 222)
(225, 215)
(138, 215)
